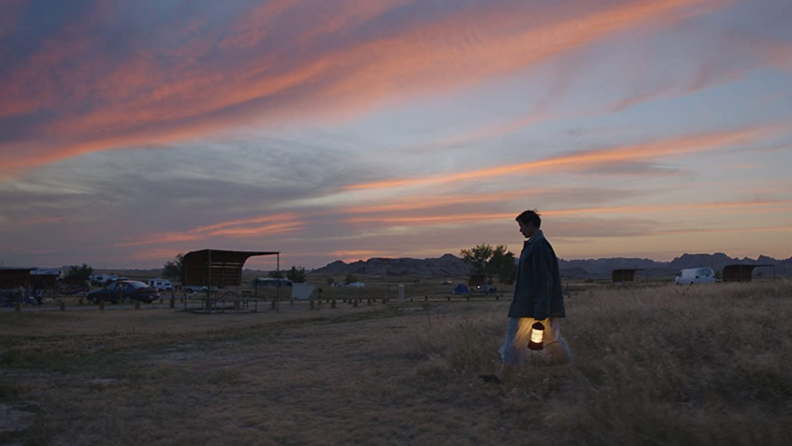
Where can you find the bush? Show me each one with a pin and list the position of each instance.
(79, 273)
(174, 269)
(296, 274)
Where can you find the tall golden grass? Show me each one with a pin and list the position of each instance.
(670, 366)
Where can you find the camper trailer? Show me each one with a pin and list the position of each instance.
(102, 279)
(160, 284)
(695, 275)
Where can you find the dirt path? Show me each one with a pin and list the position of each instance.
(333, 381)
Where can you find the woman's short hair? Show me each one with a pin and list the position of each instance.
(530, 217)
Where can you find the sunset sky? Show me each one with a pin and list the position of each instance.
(347, 129)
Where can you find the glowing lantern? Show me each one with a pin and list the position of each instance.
(537, 336)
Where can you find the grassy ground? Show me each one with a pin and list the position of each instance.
(658, 366)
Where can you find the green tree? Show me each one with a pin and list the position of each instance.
(277, 274)
(330, 281)
(350, 279)
(502, 265)
(296, 274)
(79, 273)
(491, 261)
(174, 269)
(478, 258)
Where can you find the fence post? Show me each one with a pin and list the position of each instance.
(333, 303)
(62, 306)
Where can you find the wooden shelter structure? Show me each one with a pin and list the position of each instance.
(217, 269)
(743, 272)
(10, 281)
(45, 278)
(14, 277)
(625, 275)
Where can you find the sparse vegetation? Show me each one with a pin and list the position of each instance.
(296, 274)
(666, 365)
(502, 265)
(491, 261)
(78, 273)
(174, 269)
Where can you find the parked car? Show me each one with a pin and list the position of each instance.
(129, 289)
(695, 275)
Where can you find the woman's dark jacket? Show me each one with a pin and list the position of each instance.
(538, 292)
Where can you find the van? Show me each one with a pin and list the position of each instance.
(160, 284)
(695, 275)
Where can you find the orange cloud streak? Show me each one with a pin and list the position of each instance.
(424, 202)
(277, 228)
(144, 103)
(724, 230)
(281, 223)
(479, 217)
(580, 160)
(262, 219)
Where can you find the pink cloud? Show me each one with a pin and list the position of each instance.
(206, 83)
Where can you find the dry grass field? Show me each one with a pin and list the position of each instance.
(652, 366)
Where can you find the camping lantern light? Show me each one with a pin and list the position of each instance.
(537, 336)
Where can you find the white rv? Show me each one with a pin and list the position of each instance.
(695, 275)
(102, 279)
(160, 284)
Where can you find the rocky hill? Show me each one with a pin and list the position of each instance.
(601, 268)
(446, 266)
(451, 266)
